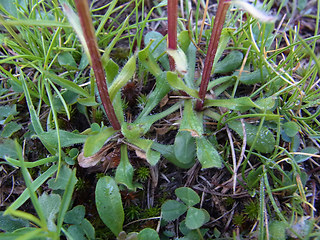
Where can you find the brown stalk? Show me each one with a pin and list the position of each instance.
(172, 29)
(89, 35)
(212, 49)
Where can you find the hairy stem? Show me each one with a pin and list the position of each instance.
(212, 49)
(89, 35)
(172, 29)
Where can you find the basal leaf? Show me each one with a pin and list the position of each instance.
(90, 101)
(177, 83)
(95, 142)
(257, 76)
(132, 130)
(190, 121)
(149, 62)
(207, 155)
(7, 148)
(124, 172)
(168, 152)
(265, 141)
(154, 98)
(184, 147)
(67, 138)
(230, 63)
(238, 104)
(158, 47)
(266, 103)
(66, 198)
(145, 144)
(109, 205)
(124, 76)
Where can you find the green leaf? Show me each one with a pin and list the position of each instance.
(109, 205)
(124, 76)
(207, 155)
(66, 198)
(168, 153)
(124, 172)
(195, 218)
(226, 33)
(50, 205)
(161, 90)
(67, 138)
(7, 148)
(111, 68)
(35, 185)
(257, 76)
(33, 164)
(184, 147)
(266, 103)
(299, 158)
(95, 142)
(277, 230)
(27, 233)
(172, 209)
(158, 47)
(148, 234)
(230, 63)
(291, 128)
(239, 104)
(66, 60)
(79, 231)
(177, 83)
(188, 196)
(190, 121)
(149, 62)
(132, 130)
(11, 6)
(189, 78)
(184, 40)
(75, 215)
(66, 84)
(88, 229)
(145, 144)
(265, 142)
(7, 110)
(62, 180)
(90, 101)
(76, 232)
(33, 114)
(10, 224)
(146, 122)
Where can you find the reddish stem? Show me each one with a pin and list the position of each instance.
(172, 29)
(89, 35)
(212, 49)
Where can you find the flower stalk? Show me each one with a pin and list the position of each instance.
(212, 49)
(90, 38)
(172, 29)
